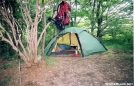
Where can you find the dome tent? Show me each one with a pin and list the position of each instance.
(86, 43)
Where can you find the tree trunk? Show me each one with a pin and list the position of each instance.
(99, 21)
(44, 35)
(75, 17)
(33, 42)
(92, 19)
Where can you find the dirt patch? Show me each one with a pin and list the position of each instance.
(94, 70)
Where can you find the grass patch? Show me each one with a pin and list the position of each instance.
(5, 81)
(118, 54)
(91, 74)
(50, 61)
(8, 64)
(4, 66)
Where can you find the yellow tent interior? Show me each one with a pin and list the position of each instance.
(69, 39)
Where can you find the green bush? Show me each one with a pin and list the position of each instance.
(6, 51)
(119, 44)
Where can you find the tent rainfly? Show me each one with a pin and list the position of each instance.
(86, 43)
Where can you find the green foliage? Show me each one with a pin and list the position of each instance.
(6, 51)
(119, 42)
(14, 7)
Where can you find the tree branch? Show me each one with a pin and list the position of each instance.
(13, 46)
(25, 11)
(40, 11)
(41, 35)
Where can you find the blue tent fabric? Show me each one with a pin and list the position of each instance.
(64, 46)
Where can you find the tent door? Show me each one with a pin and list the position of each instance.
(79, 44)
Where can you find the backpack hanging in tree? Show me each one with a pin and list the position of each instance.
(63, 12)
(62, 17)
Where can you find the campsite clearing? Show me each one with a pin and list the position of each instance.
(95, 70)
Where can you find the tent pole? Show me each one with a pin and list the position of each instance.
(17, 38)
(70, 37)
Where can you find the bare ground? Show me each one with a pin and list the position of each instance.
(104, 69)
